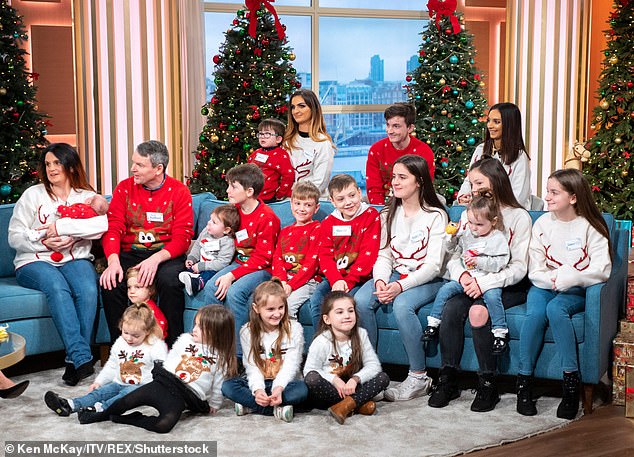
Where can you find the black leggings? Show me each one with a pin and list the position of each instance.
(323, 394)
(169, 404)
(451, 333)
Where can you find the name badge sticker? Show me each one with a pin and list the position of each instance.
(573, 244)
(341, 230)
(416, 236)
(242, 235)
(261, 157)
(213, 244)
(154, 217)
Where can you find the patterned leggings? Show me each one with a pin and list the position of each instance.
(323, 394)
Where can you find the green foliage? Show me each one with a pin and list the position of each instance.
(22, 128)
(609, 168)
(447, 91)
(253, 78)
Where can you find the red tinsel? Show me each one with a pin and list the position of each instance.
(441, 8)
(254, 6)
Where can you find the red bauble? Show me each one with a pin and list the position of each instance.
(422, 53)
(197, 156)
(630, 84)
(238, 51)
(257, 52)
(408, 78)
(266, 41)
(255, 116)
(236, 139)
(298, 84)
(222, 126)
(235, 22)
(614, 87)
(196, 174)
(214, 100)
(217, 59)
(245, 84)
(476, 77)
(463, 83)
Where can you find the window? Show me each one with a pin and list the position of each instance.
(363, 50)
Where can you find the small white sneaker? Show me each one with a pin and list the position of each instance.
(284, 413)
(241, 410)
(410, 388)
(190, 281)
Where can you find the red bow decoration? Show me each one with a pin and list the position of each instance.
(254, 6)
(440, 8)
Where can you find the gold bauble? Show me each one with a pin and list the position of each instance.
(442, 81)
(214, 138)
(604, 104)
(223, 147)
(481, 83)
(614, 60)
(291, 56)
(459, 148)
(624, 173)
(444, 112)
(3, 91)
(618, 140)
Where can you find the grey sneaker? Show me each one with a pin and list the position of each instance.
(410, 388)
(191, 281)
(241, 410)
(284, 413)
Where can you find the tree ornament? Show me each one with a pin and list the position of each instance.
(453, 59)
(618, 140)
(624, 173)
(604, 104)
(471, 141)
(469, 104)
(291, 56)
(459, 148)
(442, 81)
(5, 190)
(613, 60)
(214, 138)
(3, 91)
(444, 112)
(408, 78)
(204, 111)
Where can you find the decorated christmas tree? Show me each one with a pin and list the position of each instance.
(22, 128)
(446, 89)
(253, 78)
(610, 168)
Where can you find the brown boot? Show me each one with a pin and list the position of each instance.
(367, 409)
(342, 409)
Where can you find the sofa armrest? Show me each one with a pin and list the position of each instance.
(603, 304)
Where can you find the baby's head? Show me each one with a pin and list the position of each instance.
(483, 213)
(224, 220)
(98, 203)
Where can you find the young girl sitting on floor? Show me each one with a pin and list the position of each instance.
(145, 294)
(129, 365)
(342, 371)
(569, 251)
(272, 345)
(191, 378)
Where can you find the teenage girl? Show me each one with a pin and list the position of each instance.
(145, 294)
(190, 379)
(569, 251)
(272, 345)
(503, 141)
(407, 273)
(129, 365)
(310, 147)
(342, 371)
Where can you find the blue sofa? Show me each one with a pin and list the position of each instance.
(27, 313)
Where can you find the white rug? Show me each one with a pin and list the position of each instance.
(397, 429)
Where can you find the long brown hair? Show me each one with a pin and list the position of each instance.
(217, 328)
(356, 356)
(73, 168)
(317, 131)
(576, 184)
(261, 295)
(427, 196)
(512, 139)
(143, 315)
(499, 179)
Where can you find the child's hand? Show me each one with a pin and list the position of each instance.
(275, 398)
(339, 385)
(464, 199)
(212, 410)
(223, 284)
(287, 289)
(340, 285)
(350, 387)
(195, 268)
(93, 386)
(261, 398)
(189, 264)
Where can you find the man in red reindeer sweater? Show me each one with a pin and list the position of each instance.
(150, 227)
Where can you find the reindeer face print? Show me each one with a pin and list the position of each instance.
(338, 368)
(149, 230)
(345, 260)
(272, 364)
(243, 254)
(130, 367)
(292, 261)
(145, 240)
(192, 366)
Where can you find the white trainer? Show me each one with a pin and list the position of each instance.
(241, 410)
(284, 413)
(410, 388)
(188, 278)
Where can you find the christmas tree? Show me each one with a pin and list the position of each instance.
(22, 128)
(446, 90)
(609, 167)
(253, 78)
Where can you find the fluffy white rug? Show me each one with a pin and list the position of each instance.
(397, 429)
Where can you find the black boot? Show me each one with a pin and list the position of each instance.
(569, 405)
(446, 389)
(487, 394)
(525, 402)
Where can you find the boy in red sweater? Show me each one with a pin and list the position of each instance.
(255, 243)
(399, 123)
(349, 244)
(295, 260)
(275, 163)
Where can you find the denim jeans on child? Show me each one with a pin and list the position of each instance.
(106, 395)
(71, 294)
(237, 389)
(406, 306)
(492, 299)
(548, 307)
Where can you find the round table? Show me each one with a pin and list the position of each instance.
(12, 350)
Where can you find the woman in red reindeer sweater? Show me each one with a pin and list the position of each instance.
(407, 272)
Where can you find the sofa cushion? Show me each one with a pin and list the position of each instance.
(19, 302)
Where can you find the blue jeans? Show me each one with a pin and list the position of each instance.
(238, 298)
(405, 305)
(106, 395)
(548, 307)
(237, 390)
(322, 289)
(492, 299)
(71, 293)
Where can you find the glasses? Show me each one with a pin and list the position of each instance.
(265, 134)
